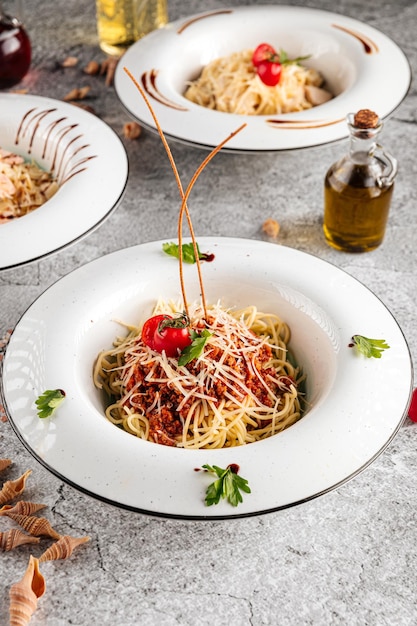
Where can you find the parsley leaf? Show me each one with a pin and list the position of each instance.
(228, 485)
(188, 255)
(49, 401)
(195, 348)
(369, 347)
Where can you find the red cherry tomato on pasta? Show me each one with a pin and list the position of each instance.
(149, 329)
(269, 73)
(159, 336)
(264, 52)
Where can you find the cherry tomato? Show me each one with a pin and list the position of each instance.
(149, 329)
(269, 73)
(264, 52)
(412, 411)
(170, 339)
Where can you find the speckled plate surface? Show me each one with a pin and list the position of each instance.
(351, 417)
(362, 67)
(86, 157)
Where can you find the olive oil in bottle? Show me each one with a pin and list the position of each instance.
(122, 22)
(358, 189)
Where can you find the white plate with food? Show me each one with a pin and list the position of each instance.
(359, 65)
(63, 171)
(347, 419)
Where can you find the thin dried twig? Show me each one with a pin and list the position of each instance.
(184, 196)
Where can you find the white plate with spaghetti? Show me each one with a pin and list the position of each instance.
(349, 420)
(84, 157)
(361, 66)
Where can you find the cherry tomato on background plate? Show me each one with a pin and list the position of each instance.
(264, 52)
(269, 73)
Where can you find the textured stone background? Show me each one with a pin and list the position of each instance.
(346, 558)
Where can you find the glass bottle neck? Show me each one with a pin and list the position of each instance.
(363, 141)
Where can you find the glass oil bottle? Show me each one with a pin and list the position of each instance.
(358, 188)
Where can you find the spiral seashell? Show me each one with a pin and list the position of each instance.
(63, 548)
(24, 594)
(36, 526)
(13, 488)
(15, 537)
(4, 463)
(21, 508)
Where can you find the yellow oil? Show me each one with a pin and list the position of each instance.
(355, 210)
(122, 22)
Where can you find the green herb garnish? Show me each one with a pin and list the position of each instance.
(188, 255)
(369, 347)
(195, 348)
(49, 401)
(228, 485)
(285, 60)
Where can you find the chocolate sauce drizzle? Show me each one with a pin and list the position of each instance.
(370, 46)
(148, 80)
(201, 17)
(62, 146)
(302, 124)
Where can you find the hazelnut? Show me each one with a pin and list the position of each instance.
(93, 67)
(132, 130)
(271, 228)
(69, 62)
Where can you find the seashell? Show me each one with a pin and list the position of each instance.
(13, 488)
(21, 508)
(37, 526)
(24, 594)
(15, 537)
(4, 463)
(63, 548)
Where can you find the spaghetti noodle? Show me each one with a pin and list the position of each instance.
(24, 186)
(242, 389)
(231, 84)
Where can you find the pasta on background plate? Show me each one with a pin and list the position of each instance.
(24, 186)
(231, 84)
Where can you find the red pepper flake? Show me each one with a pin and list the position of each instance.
(412, 410)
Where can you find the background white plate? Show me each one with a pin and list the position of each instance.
(361, 64)
(82, 151)
(357, 404)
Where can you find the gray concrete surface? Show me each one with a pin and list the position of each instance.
(347, 558)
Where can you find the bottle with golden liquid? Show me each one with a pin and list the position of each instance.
(122, 22)
(358, 188)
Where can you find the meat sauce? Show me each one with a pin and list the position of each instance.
(160, 402)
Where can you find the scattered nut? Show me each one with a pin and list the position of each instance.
(271, 228)
(108, 67)
(92, 68)
(77, 94)
(132, 130)
(69, 62)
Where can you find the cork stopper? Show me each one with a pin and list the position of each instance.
(365, 118)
